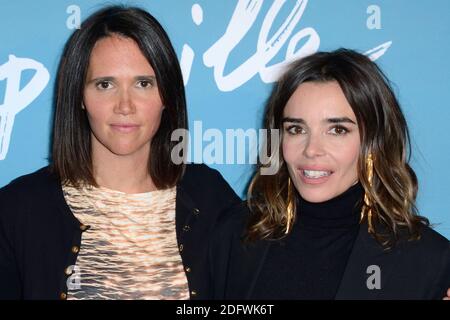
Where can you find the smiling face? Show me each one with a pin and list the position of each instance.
(321, 141)
(121, 98)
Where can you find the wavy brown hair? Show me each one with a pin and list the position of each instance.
(383, 133)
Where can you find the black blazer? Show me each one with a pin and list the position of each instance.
(40, 237)
(411, 270)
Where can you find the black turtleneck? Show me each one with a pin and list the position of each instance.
(309, 263)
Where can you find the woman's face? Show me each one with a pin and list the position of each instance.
(321, 141)
(121, 99)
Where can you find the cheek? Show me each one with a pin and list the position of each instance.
(153, 114)
(96, 114)
(150, 106)
(348, 157)
(152, 117)
(289, 151)
(95, 107)
(93, 99)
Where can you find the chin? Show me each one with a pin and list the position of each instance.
(123, 150)
(316, 193)
(317, 196)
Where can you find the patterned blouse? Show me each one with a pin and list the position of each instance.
(130, 250)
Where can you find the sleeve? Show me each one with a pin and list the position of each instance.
(226, 237)
(443, 283)
(10, 285)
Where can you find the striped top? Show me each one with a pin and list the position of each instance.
(130, 250)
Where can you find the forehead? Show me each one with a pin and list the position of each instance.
(117, 52)
(313, 101)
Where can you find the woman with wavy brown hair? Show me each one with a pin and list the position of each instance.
(338, 219)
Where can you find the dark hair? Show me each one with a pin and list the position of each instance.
(71, 150)
(383, 133)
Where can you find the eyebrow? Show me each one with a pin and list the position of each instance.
(148, 77)
(340, 120)
(328, 120)
(294, 120)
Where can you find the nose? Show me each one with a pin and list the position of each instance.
(314, 146)
(124, 104)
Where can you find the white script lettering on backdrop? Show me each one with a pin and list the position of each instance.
(241, 22)
(17, 99)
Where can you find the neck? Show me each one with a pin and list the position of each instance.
(340, 212)
(128, 173)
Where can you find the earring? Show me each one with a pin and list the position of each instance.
(290, 206)
(367, 207)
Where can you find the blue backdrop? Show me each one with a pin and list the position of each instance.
(231, 52)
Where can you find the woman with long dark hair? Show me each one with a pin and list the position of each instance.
(338, 220)
(113, 216)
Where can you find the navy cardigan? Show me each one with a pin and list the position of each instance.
(40, 237)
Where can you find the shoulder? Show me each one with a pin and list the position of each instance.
(206, 190)
(196, 172)
(430, 244)
(27, 196)
(429, 259)
(429, 253)
(28, 190)
(417, 255)
(30, 184)
(431, 241)
(201, 182)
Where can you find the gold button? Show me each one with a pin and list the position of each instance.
(181, 248)
(68, 271)
(63, 296)
(193, 293)
(196, 211)
(75, 249)
(186, 228)
(188, 269)
(84, 227)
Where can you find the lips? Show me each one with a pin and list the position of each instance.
(314, 175)
(124, 127)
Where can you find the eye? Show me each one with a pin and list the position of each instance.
(103, 85)
(339, 130)
(294, 129)
(146, 83)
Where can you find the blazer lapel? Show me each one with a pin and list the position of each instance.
(367, 259)
(258, 257)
